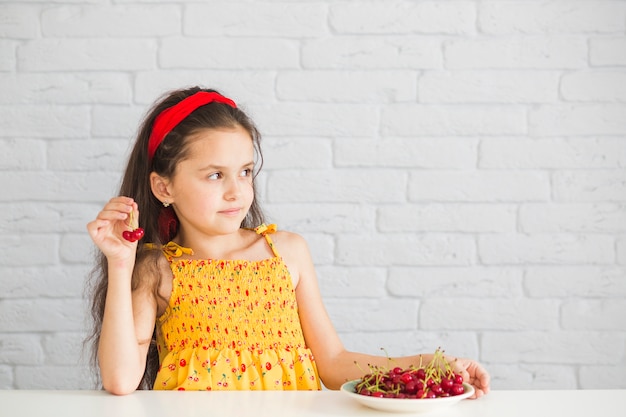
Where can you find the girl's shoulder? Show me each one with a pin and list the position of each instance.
(290, 245)
(287, 237)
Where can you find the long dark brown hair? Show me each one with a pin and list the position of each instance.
(136, 184)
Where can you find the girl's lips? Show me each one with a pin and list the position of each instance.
(231, 212)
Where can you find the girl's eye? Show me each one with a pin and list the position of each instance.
(215, 176)
(246, 172)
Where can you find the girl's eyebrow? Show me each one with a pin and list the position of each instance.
(213, 167)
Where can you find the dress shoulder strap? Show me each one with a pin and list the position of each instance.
(265, 231)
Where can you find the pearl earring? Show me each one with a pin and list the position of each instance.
(166, 204)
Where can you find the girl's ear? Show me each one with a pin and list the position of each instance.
(160, 188)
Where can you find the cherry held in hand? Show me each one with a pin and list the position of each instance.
(134, 234)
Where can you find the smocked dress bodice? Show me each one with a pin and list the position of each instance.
(232, 325)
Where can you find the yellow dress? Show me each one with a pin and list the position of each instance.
(232, 325)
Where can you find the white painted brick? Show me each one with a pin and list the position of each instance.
(299, 119)
(235, 19)
(590, 186)
(76, 249)
(303, 153)
(19, 21)
(6, 377)
(19, 218)
(372, 53)
(242, 86)
(479, 186)
(68, 377)
(64, 348)
(322, 248)
(12, 251)
(438, 153)
(41, 315)
(405, 343)
(551, 347)
(401, 17)
(372, 314)
(541, 52)
(8, 55)
(353, 282)
(181, 52)
(532, 377)
(46, 217)
(116, 121)
(96, 21)
(609, 314)
(347, 86)
(397, 249)
(488, 87)
(594, 86)
(573, 218)
(52, 121)
(45, 281)
(22, 154)
(88, 155)
(21, 349)
(552, 153)
(454, 282)
(497, 17)
(441, 120)
(55, 88)
(87, 55)
(607, 51)
(447, 218)
(71, 187)
(465, 314)
(602, 377)
(621, 251)
(545, 249)
(322, 217)
(575, 281)
(577, 120)
(341, 186)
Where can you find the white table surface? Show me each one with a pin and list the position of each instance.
(26, 403)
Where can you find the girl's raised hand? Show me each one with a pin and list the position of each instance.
(107, 229)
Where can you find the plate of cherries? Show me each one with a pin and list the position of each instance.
(421, 388)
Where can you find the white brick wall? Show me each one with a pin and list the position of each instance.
(456, 166)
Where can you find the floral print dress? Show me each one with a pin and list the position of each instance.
(232, 325)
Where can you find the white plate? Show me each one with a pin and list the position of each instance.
(401, 405)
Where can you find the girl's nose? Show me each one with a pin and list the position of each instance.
(233, 189)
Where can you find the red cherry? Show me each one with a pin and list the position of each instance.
(457, 389)
(436, 389)
(406, 377)
(138, 233)
(133, 235)
(446, 384)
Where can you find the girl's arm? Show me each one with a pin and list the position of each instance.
(335, 364)
(127, 327)
(129, 316)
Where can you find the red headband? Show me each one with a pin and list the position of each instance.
(169, 118)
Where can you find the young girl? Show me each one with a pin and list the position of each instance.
(211, 298)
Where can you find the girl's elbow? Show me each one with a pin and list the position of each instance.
(119, 386)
